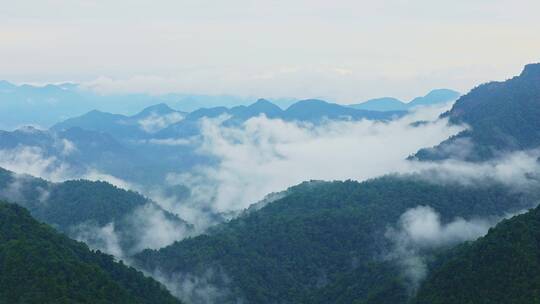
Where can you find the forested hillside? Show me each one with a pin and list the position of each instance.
(319, 234)
(39, 265)
(502, 267)
(71, 204)
(502, 116)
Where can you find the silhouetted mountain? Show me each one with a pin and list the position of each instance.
(315, 110)
(381, 104)
(292, 248)
(392, 104)
(40, 265)
(158, 109)
(312, 110)
(503, 117)
(434, 97)
(140, 125)
(262, 106)
(501, 267)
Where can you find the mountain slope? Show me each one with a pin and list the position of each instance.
(501, 267)
(39, 265)
(74, 207)
(434, 97)
(319, 232)
(503, 117)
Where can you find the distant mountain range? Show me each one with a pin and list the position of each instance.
(46, 105)
(160, 121)
(392, 104)
(49, 104)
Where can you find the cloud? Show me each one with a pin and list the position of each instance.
(519, 170)
(208, 287)
(146, 227)
(34, 161)
(67, 147)
(96, 175)
(103, 238)
(154, 229)
(170, 141)
(266, 155)
(420, 230)
(155, 122)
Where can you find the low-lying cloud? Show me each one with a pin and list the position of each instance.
(34, 161)
(267, 155)
(420, 230)
(155, 122)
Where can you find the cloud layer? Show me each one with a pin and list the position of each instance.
(265, 155)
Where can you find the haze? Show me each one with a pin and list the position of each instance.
(343, 51)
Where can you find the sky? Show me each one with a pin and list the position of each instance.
(344, 51)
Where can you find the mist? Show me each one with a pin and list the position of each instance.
(420, 230)
(268, 155)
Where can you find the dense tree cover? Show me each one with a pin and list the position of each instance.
(503, 117)
(501, 267)
(68, 204)
(321, 232)
(39, 265)
(374, 282)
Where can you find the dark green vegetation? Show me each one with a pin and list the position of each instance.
(69, 204)
(39, 265)
(323, 240)
(501, 267)
(503, 117)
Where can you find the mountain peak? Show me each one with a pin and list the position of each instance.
(263, 104)
(435, 97)
(381, 104)
(262, 101)
(531, 71)
(160, 108)
(309, 102)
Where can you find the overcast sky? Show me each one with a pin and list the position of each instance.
(344, 51)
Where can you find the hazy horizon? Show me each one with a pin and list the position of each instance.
(346, 53)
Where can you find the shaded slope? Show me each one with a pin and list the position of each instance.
(80, 204)
(39, 265)
(503, 117)
(502, 267)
